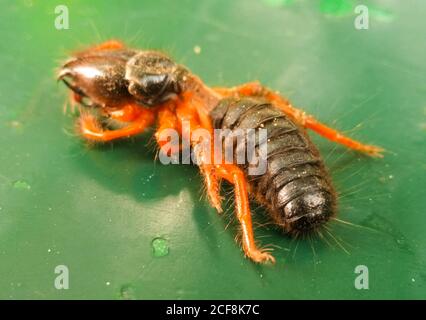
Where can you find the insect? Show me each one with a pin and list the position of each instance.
(142, 88)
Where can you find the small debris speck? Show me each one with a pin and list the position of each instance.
(197, 49)
(15, 124)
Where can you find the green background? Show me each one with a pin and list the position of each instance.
(97, 210)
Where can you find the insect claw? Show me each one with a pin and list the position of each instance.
(376, 152)
(261, 256)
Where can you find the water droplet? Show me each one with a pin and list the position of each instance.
(21, 184)
(127, 292)
(160, 247)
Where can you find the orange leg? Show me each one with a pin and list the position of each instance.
(186, 110)
(90, 128)
(308, 121)
(212, 184)
(189, 110)
(128, 112)
(234, 175)
(167, 120)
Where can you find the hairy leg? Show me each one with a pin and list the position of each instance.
(235, 176)
(139, 120)
(186, 111)
(167, 120)
(306, 120)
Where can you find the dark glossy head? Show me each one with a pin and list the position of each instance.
(98, 77)
(112, 77)
(308, 212)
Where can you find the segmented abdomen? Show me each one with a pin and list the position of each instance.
(296, 188)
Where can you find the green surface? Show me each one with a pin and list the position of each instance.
(99, 210)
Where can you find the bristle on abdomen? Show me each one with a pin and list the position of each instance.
(296, 188)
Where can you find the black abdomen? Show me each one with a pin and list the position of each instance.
(296, 188)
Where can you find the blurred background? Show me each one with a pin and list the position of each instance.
(128, 227)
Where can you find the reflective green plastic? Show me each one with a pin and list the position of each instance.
(97, 210)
